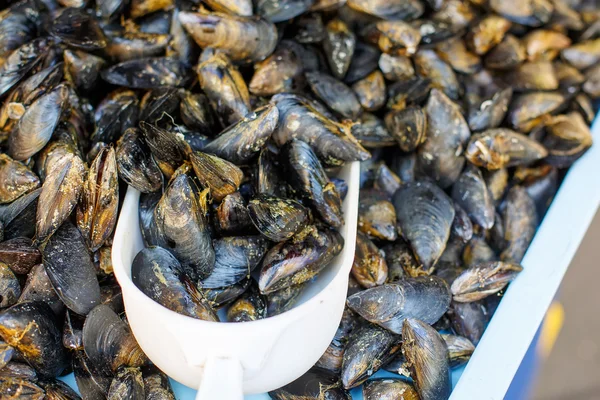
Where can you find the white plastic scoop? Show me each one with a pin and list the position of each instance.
(226, 360)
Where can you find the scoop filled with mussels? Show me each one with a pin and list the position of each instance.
(212, 148)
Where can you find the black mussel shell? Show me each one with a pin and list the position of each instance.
(250, 306)
(168, 148)
(91, 382)
(20, 62)
(276, 218)
(115, 114)
(128, 383)
(18, 217)
(19, 254)
(156, 384)
(79, 29)
(148, 73)
(317, 383)
(39, 288)
(135, 163)
(10, 289)
(389, 389)
(369, 267)
(148, 226)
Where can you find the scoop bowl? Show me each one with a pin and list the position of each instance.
(227, 360)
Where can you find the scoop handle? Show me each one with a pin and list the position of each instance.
(221, 379)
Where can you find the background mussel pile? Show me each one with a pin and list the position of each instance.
(232, 118)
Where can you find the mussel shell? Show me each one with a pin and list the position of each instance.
(508, 54)
(235, 259)
(32, 329)
(241, 142)
(296, 261)
(427, 355)
(250, 306)
(221, 297)
(454, 52)
(97, 211)
(426, 298)
(567, 138)
(283, 300)
(148, 226)
(520, 223)
(219, 175)
(39, 288)
(37, 124)
(371, 132)
(127, 384)
(425, 214)
(477, 251)
(181, 46)
(583, 55)
(15, 179)
(129, 45)
(168, 149)
(108, 341)
(20, 62)
(501, 147)
(282, 10)
(232, 217)
(369, 267)
(469, 320)
(135, 163)
(392, 9)
(471, 193)
(299, 118)
(183, 229)
(91, 382)
(335, 94)
(71, 270)
(19, 254)
(308, 178)
(77, 28)
(59, 196)
(196, 113)
(385, 180)
(156, 384)
(243, 39)
(280, 72)
(369, 348)
(159, 103)
(527, 109)
(401, 262)
(317, 383)
(364, 62)
(82, 69)
(389, 389)
(115, 114)
(18, 25)
(541, 184)
(18, 217)
(225, 87)
(10, 290)
(489, 113)
(19, 370)
(339, 46)
(370, 91)
(23, 388)
(377, 216)
(460, 349)
(408, 126)
(530, 12)
(487, 33)
(276, 218)
(58, 390)
(148, 73)
(440, 157)
(396, 68)
(482, 280)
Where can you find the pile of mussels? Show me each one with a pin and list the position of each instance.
(232, 118)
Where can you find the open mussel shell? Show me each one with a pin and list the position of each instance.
(520, 223)
(376, 215)
(299, 259)
(299, 118)
(71, 270)
(425, 214)
(369, 267)
(32, 329)
(276, 218)
(241, 142)
(15, 179)
(160, 276)
(60, 194)
(308, 178)
(37, 124)
(369, 348)
(235, 259)
(440, 157)
(148, 73)
(426, 298)
(500, 147)
(244, 39)
(427, 355)
(135, 163)
(108, 341)
(182, 227)
(97, 211)
(250, 306)
(482, 280)
(317, 383)
(389, 389)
